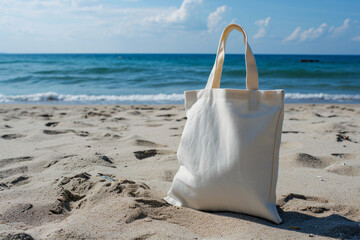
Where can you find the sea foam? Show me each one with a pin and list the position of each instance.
(56, 97)
(157, 98)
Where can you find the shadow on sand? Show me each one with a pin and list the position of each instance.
(333, 226)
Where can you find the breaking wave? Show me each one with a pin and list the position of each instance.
(157, 98)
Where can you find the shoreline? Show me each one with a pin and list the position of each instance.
(101, 171)
(153, 104)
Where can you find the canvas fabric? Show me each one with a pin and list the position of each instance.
(229, 149)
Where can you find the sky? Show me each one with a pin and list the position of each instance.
(178, 26)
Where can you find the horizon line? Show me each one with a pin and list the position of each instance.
(332, 54)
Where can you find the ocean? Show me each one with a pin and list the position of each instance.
(162, 78)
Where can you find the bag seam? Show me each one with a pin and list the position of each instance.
(274, 145)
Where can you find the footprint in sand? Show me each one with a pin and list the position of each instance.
(108, 135)
(313, 212)
(135, 113)
(136, 198)
(144, 108)
(18, 236)
(19, 180)
(307, 160)
(81, 133)
(136, 140)
(293, 201)
(153, 152)
(12, 136)
(46, 115)
(52, 124)
(145, 143)
(7, 161)
(295, 132)
(9, 118)
(342, 155)
(314, 205)
(15, 181)
(33, 214)
(340, 168)
(332, 107)
(73, 161)
(318, 115)
(181, 119)
(12, 171)
(119, 119)
(294, 196)
(97, 114)
(145, 154)
(345, 169)
(166, 108)
(17, 210)
(166, 115)
(55, 132)
(59, 159)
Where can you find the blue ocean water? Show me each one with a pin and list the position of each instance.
(162, 78)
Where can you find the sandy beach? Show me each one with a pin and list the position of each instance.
(100, 172)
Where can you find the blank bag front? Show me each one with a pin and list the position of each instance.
(229, 149)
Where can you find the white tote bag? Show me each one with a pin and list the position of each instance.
(229, 149)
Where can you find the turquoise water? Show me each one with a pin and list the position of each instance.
(162, 78)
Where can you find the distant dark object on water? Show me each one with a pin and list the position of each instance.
(309, 60)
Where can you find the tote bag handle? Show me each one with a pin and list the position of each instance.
(252, 81)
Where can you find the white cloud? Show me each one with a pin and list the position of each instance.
(259, 34)
(38, 8)
(357, 38)
(313, 33)
(342, 28)
(177, 15)
(79, 18)
(293, 35)
(318, 31)
(15, 25)
(308, 34)
(214, 18)
(262, 23)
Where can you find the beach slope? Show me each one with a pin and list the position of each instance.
(100, 172)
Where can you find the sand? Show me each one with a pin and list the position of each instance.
(100, 172)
